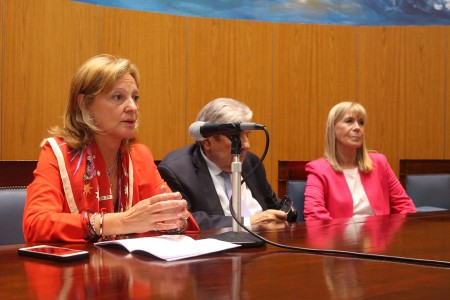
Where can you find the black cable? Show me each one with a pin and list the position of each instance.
(331, 252)
(266, 149)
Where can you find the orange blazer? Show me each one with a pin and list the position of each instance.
(47, 216)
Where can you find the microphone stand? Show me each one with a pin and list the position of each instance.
(237, 236)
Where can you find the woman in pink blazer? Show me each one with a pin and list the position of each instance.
(349, 181)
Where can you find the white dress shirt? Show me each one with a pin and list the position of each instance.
(249, 205)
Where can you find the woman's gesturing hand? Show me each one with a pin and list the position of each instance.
(163, 212)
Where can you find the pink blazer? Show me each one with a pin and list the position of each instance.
(327, 195)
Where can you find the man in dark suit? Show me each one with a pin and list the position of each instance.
(199, 172)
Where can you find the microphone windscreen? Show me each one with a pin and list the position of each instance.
(194, 131)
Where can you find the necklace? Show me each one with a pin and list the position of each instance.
(111, 171)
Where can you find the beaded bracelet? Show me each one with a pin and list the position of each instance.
(92, 222)
(88, 229)
(101, 225)
(102, 229)
(87, 222)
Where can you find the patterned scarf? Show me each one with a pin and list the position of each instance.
(96, 192)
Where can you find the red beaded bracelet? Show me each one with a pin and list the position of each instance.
(88, 229)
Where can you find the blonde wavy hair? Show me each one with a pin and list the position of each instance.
(98, 74)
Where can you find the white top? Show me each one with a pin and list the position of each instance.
(361, 204)
(249, 205)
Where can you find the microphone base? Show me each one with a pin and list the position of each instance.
(244, 239)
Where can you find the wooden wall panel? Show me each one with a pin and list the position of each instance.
(44, 42)
(447, 95)
(1, 79)
(289, 74)
(315, 68)
(401, 83)
(156, 43)
(233, 59)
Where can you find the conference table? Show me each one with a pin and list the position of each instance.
(379, 257)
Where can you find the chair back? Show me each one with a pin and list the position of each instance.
(296, 192)
(15, 176)
(12, 202)
(427, 182)
(292, 182)
(16, 172)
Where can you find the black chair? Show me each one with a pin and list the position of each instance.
(14, 178)
(427, 182)
(292, 182)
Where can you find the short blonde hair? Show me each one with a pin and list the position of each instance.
(98, 74)
(335, 115)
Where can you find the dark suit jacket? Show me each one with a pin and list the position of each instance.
(186, 171)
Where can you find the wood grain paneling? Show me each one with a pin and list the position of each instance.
(401, 83)
(447, 95)
(156, 43)
(232, 59)
(315, 68)
(44, 42)
(289, 74)
(1, 80)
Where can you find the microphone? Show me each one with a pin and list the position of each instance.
(201, 130)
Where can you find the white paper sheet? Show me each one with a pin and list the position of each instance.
(172, 247)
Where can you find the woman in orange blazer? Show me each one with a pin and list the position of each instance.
(92, 179)
(349, 181)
